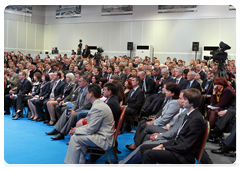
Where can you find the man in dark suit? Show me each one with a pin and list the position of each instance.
(118, 71)
(134, 100)
(147, 84)
(24, 87)
(179, 80)
(192, 82)
(156, 75)
(201, 72)
(34, 70)
(66, 65)
(86, 52)
(96, 72)
(48, 69)
(182, 149)
(128, 72)
(104, 71)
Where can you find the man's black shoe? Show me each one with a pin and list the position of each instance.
(218, 151)
(59, 136)
(114, 164)
(53, 132)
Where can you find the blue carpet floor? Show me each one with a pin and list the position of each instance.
(25, 142)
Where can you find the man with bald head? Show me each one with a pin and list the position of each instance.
(147, 84)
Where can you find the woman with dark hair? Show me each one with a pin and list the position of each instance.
(44, 88)
(222, 98)
(102, 81)
(95, 79)
(22, 98)
(128, 85)
(120, 91)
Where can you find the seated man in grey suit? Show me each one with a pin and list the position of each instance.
(164, 116)
(98, 132)
(157, 138)
(65, 122)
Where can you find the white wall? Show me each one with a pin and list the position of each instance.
(170, 34)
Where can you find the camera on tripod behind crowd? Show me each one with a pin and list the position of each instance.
(98, 54)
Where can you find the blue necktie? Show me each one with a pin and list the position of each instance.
(188, 86)
(132, 92)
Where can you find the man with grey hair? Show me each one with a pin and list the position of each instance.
(179, 80)
(201, 72)
(192, 82)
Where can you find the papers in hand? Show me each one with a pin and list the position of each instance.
(213, 107)
(69, 104)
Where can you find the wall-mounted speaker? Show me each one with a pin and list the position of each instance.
(130, 46)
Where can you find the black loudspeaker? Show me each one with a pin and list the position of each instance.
(195, 46)
(130, 46)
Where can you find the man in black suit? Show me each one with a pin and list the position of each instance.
(118, 71)
(86, 52)
(183, 149)
(156, 75)
(152, 100)
(66, 65)
(134, 100)
(34, 70)
(179, 80)
(24, 87)
(192, 82)
(110, 72)
(96, 72)
(128, 72)
(147, 84)
(48, 68)
(104, 71)
(54, 92)
(201, 72)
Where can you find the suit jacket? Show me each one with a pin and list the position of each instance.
(123, 77)
(48, 71)
(85, 53)
(195, 85)
(129, 76)
(203, 75)
(175, 125)
(58, 89)
(100, 125)
(210, 87)
(115, 108)
(65, 67)
(136, 100)
(135, 65)
(32, 73)
(44, 90)
(74, 92)
(168, 112)
(83, 103)
(66, 90)
(160, 86)
(105, 74)
(23, 87)
(13, 81)
(158, 77)
(150, 86)
(186, 145)
(182, 84)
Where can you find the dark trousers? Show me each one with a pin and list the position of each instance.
(150, 129)
(59, 110)
(151, 101)
(150, 156)
(39, 104)
(230, 141)
(21, 99)
(7, 102)
(226, 122)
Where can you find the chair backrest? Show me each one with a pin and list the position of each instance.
(205, 137)
(121, 103)
(120, 122)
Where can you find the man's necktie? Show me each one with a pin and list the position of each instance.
(177, 82)
(188, 86)
(132, 92)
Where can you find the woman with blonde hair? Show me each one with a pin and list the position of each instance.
(70, 79)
